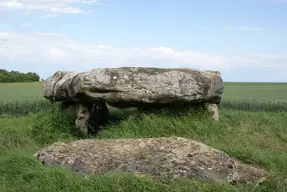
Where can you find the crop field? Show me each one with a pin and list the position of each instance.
(252, 128)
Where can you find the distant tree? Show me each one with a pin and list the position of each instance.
(3, 71)
(16, 76)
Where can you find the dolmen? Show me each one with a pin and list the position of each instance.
(87, 94)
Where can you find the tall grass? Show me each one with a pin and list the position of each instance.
(255, 105)
(24, 107)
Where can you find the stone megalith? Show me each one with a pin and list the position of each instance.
(155, 157)
(143, 88)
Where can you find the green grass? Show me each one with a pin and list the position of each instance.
(21, 91)
(258, 91)
(251, 129)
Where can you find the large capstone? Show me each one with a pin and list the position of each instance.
(131, 86)
(156, 157)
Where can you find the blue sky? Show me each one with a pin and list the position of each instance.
(246, 40)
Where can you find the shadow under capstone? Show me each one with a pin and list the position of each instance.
(114, 116)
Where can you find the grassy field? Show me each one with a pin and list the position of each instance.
(253, 128)
(265, 91)
(21, 91)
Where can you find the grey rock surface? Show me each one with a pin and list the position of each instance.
(132, 86)
(155, 157)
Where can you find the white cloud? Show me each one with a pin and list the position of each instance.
(25, 24)
(3, 26)
(52, 52)
(48, 6)
(50, 15)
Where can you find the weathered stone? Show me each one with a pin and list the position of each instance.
(156, 157)
(212, 109)
(82, 118)
(133, 87)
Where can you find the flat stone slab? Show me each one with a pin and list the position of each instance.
(155, 157)
(134, 86)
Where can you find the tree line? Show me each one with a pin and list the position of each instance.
(16, 76)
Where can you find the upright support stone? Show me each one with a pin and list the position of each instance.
(213, 110)
(90, 116)
(82, 118)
